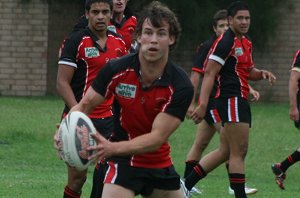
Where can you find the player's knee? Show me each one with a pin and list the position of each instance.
(202, 146)
(224, 152)
(243, 151)
(76, 181)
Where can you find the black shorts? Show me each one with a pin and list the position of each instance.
(104, 126)
(212, 116)
(234, 110)
(141, 180)
(98, 178)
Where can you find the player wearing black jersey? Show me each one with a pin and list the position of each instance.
(279, 169)
(212, 121)
(230, 60)
(82, 56)
(152, 96)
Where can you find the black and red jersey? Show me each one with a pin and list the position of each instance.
(171, 93)
(235, 56)
(200, 57)
(296, 66)
(126, 29)
(82, 52)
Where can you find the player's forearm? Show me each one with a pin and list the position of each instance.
(195, 82)
(141, 144)
(88, 103)
(256, 74)
(206, 88)
(65, 91)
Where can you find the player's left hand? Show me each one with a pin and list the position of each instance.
(294, 114)
(255, 95)
(268, 75)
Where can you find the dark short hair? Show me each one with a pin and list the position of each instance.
(219, 15)
(88, 3)
(158, 13)
(236, 6)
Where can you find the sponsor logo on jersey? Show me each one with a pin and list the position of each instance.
(238, 51)
(112, 28)
(126, 90)
(91, 52)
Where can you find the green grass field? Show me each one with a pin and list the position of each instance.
(29, 167)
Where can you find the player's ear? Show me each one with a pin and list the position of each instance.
(138, 39)
(87, 15)
(171, 40)
(230, 20)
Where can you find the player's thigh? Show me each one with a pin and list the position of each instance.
(116, 191)
(237, 136)
(205, 133)
(158, 193)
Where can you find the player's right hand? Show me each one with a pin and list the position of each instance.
(294, 114)
(198, 114)
(190, 111)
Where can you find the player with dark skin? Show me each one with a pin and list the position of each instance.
(279, 169)
(231, 104)
(212, 122)
(79, 63)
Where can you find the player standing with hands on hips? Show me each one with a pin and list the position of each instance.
(152, 96)
(279, 169)
(230, 60)
(83, 55)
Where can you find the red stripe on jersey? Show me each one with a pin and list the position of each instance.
(170, 99)
(111, 173)
(295, 58)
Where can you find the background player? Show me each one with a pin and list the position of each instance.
(279, 169)
(83, 55)
(230, 60)
(212, 120)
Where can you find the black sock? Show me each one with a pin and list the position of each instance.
(237, 183)
(196, 174)
(290, 160)
(69, 193)
(189, 165)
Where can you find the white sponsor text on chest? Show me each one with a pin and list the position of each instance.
(126, 90)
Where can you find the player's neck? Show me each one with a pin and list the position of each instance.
(151, 71)
(237, 34)
(102, 37)
(118, 17)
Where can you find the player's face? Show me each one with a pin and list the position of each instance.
(221, 27)
(154, 42)
(240, 23)
(99, 16)
(119, 5)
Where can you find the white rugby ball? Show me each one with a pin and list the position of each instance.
(75, 136)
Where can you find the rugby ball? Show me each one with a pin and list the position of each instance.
(74, 135)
